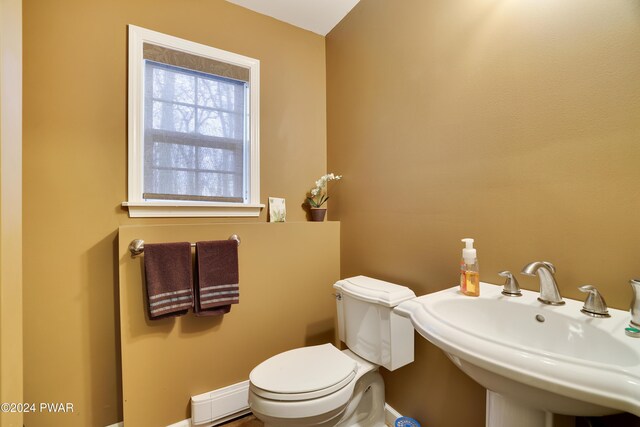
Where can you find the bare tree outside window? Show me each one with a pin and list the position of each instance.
(195, 134)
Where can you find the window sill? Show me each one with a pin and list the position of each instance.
(176, 209)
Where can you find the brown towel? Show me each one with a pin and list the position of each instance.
(217, 277)
(169, 278)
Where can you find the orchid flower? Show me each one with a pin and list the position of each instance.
(319, 193)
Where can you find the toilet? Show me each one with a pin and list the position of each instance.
(324, 386)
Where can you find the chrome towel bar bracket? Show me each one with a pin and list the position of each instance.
(136, 247)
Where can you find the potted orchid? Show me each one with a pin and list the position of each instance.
(318, 196)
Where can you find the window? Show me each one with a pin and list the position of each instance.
(193, 129)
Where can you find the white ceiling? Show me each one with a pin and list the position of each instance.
(319, 16)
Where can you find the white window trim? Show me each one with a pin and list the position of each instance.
(139, 207)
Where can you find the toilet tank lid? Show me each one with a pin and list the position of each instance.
(375, 291)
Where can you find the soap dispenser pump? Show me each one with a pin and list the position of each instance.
(469, 271)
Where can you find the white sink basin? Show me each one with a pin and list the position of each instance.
(563, 362)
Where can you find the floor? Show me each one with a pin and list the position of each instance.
(251, 421)
(247, 421)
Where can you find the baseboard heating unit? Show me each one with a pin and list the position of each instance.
(221, 405)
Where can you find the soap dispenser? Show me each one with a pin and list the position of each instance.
(635, 302)
(469, 273)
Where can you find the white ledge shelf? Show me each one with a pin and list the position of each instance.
(180, 209)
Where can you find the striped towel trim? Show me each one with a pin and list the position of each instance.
(171, 307)
(222, 295)
(218, 301)
(169, 300)
(220, 298)
(208, 288)
(212, 294)
(165, 294)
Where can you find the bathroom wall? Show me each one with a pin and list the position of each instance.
(285, 302)
(75, 162)
(513, 122)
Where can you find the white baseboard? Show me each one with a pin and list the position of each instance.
(390, 417)
(183, 423)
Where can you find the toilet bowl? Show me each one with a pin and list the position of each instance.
(323, 386)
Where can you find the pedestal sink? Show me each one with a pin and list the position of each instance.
(534, 359)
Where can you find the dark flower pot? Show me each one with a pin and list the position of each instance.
(317, 214)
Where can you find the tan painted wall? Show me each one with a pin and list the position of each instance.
(285, 303)
(75, 171)
(11, 365)
(514, 122)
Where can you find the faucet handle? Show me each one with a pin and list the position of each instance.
(594, 305)
(511, 285)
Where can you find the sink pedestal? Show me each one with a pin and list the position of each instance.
(505, 412)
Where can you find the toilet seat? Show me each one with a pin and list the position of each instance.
(303, 373)
(301, 406)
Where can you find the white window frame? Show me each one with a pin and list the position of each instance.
(136, 204)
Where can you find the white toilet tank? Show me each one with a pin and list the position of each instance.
(367, 323)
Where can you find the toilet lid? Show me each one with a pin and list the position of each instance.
(304, 370)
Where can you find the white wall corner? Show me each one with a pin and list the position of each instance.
(11, 272)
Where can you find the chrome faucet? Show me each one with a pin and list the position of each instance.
(549, 293)
(594, 305)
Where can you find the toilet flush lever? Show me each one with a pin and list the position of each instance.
(511, 285)
(338, 296)
(594, 305)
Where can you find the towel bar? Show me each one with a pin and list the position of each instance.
(136, 247)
